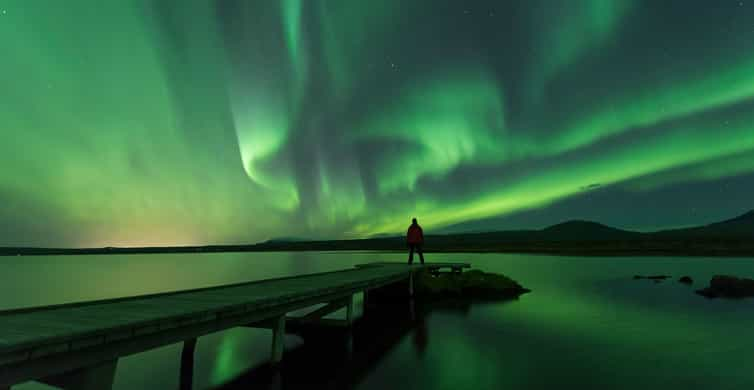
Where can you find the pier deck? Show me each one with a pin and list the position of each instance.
(75, 340)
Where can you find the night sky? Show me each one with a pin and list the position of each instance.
(195, 122)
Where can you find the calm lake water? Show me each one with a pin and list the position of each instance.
(586, 324)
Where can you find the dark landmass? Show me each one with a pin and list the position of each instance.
(474, 284)
(725, 286)
(733, 237)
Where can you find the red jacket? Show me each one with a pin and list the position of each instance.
(415, 235)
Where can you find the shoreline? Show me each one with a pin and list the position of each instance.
(573, 249)
(730, 238)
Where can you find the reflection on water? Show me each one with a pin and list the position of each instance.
(341, 359)
(586, 324)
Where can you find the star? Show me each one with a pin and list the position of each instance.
(5, 12)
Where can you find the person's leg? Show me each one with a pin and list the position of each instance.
(421, 253)
(410, 254)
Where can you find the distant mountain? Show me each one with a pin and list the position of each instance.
(287, 239)
(738, 227)
(586, 230)
(732, 237)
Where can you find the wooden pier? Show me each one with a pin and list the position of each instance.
(77, 346)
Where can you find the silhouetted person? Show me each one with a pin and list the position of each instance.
(415, 240)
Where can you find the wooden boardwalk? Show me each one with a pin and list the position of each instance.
(77, 345)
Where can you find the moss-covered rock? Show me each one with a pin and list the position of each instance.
(471, 284)
(726, 286)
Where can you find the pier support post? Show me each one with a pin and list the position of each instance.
(349, 344)
(99, 377)
(277, 381)
(187, 365)
(349, 310)
(278, 338)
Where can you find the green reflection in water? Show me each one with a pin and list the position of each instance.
(586, 324)
(226, 365)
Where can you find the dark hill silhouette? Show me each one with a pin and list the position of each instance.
(586, 230)
(741, 226)
(286, 239)
(732, 237)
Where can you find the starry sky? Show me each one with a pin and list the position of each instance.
(234, 121)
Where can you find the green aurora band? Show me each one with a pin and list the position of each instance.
(195, 122)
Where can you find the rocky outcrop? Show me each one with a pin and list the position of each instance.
(686, 280)
(656, 278)
(470, 284)
(725, 286)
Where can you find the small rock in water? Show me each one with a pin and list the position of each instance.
(686, 280)
(725, 286)
(656, 278)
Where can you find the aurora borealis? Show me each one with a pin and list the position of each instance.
(233, 121)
